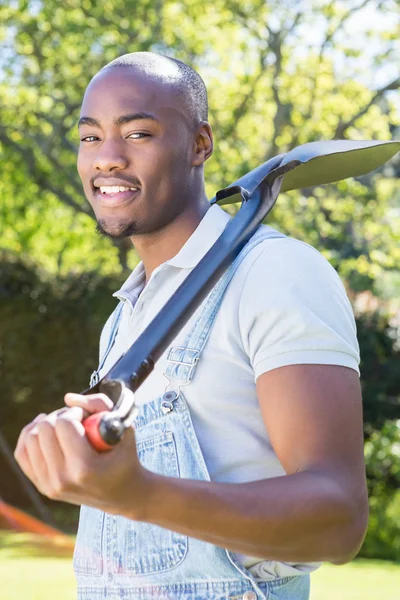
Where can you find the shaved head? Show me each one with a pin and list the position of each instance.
(184, 81)
(144, 138)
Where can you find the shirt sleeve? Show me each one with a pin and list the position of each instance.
(294, 310)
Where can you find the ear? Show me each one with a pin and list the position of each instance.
(204, 144)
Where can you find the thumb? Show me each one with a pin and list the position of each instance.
(92, 403)
(126, 449)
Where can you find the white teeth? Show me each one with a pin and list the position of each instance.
(114, 189)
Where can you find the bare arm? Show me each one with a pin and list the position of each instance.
(319, 510)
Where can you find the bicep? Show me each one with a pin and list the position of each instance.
(313, 415)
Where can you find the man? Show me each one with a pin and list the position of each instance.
(247, 468)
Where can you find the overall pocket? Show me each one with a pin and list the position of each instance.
(87, 554)
(290, 587)
(142, 548)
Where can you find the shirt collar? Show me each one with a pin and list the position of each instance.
(133, 285)
(205, 235)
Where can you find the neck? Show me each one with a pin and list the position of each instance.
(156, 248)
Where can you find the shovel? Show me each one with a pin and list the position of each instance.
(308, 165)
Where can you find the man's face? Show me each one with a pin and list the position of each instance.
(136, 153)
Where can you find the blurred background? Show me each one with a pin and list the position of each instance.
(279, 73)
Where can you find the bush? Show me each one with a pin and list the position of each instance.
(382, 455)
(380, 372)
(383, 536)
(49, 335)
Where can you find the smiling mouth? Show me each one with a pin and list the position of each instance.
(115, 189)
(115, 195)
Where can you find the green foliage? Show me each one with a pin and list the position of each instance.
(49, 335)
(380, 379)
(383, 536)
(382, 454)
(278, 76)
(380, 373)
(49, 331)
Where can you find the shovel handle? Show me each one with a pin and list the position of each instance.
(92, 425)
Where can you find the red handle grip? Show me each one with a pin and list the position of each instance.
(91, 425)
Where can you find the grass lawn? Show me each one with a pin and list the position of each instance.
(33, 569)
(358, 580)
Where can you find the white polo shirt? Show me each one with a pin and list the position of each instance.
(286, 305)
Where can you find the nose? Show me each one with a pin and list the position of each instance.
(110, 158)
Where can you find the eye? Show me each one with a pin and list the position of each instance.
(89, 138)
(138, 135)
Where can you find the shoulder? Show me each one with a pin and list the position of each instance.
(278, 260)
(292, 303)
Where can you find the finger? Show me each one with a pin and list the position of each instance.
(62, 450)
(36, 447)
(51, 450)
(52, 417)
(75, 416)
(25, 466)
(22, 459)
(72, 439)
(92, 403)
(20, 447)
(36, 461)
(73, 413)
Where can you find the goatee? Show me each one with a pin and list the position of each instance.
(119, 233)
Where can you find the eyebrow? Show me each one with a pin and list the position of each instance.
(139, 116)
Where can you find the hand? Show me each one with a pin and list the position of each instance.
(56, 456)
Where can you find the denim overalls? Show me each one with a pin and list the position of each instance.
(116, 558)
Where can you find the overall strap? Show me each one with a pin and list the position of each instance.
(182, 360)
(115, 318)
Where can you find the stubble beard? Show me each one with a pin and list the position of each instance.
(120, 230)
(117, 233)
(117, 230)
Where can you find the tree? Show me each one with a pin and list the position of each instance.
(280, 73)
(274, 83)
